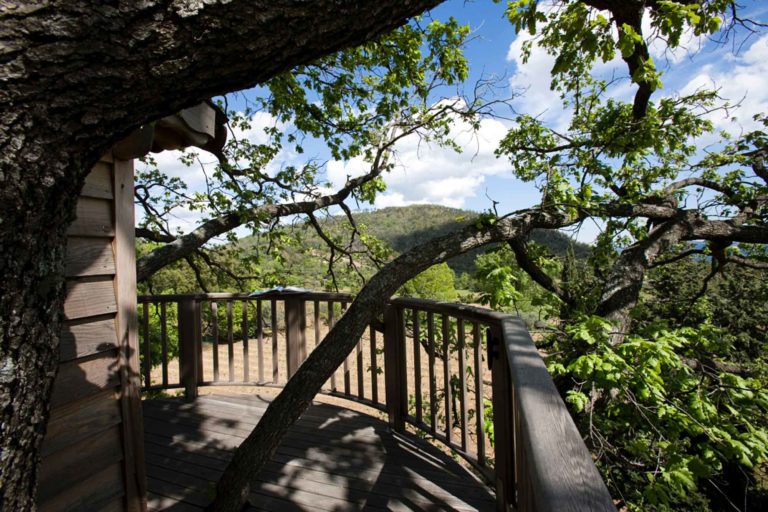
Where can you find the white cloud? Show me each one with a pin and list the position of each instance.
(532, 79)
(738, 79)
(427, 173)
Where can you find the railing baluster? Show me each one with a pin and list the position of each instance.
(230, 343)
(275, 373)
(394, 367)
(346, 375)
(374, 367)
(164, 341)
(189, 325)
(331, 322)
(302, 331)
(447, 377)
(417, 364)
(215, 333)
(147, 350)
(479, 394)
(360, 386)
(244, 329)
(295, 325)
(462, 381)
(260, 339)
(316, 319)
(432, 381)
(346, 361)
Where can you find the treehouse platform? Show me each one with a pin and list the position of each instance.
(333, 459)
(469, 382)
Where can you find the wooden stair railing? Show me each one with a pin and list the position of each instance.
(466, 376)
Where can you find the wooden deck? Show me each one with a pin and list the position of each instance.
(333, 459)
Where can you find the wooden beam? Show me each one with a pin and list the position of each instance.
(127, 329)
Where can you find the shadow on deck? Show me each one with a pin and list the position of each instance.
(333, 459)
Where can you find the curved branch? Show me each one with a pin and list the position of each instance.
(678, 257)
(188, 243)
(622, 287)
(746, 262)
(519, 247)
(154, 236)
(698, 182)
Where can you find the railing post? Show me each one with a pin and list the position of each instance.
(503, 427)
(394, 368)
(295, 322)
(189, 345)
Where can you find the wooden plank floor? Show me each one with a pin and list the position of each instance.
(333, 459)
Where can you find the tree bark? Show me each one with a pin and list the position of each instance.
(622, 288)
(76, 77)
(235, 484)
(32, 242)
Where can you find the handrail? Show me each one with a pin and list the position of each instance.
(446, 368)
(563, 474)
(308, 295)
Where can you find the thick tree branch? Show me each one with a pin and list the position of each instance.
(724, 230)
(622, 288)
(747, 262)
(185, 49)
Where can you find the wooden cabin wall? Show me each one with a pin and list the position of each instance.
(92, 455)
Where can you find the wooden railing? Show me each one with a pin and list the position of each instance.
(468, 377)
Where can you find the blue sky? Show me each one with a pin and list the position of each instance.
(474, 178)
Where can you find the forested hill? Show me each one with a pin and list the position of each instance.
(406, 227)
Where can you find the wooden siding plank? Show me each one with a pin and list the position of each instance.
(103, 491)
(69, 466)
(79, 379)
(90, 296)
(89, 257)
(81, 420)
(94, 218)
(98, 183)
(87, 336)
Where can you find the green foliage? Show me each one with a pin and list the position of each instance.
(504, 286)
(663, 425)
(671, 408)
(157, 332)
(435, 283)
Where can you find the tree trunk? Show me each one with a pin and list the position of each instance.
(625, 281)
(77, 76)
(234, 485)
(35, 207)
